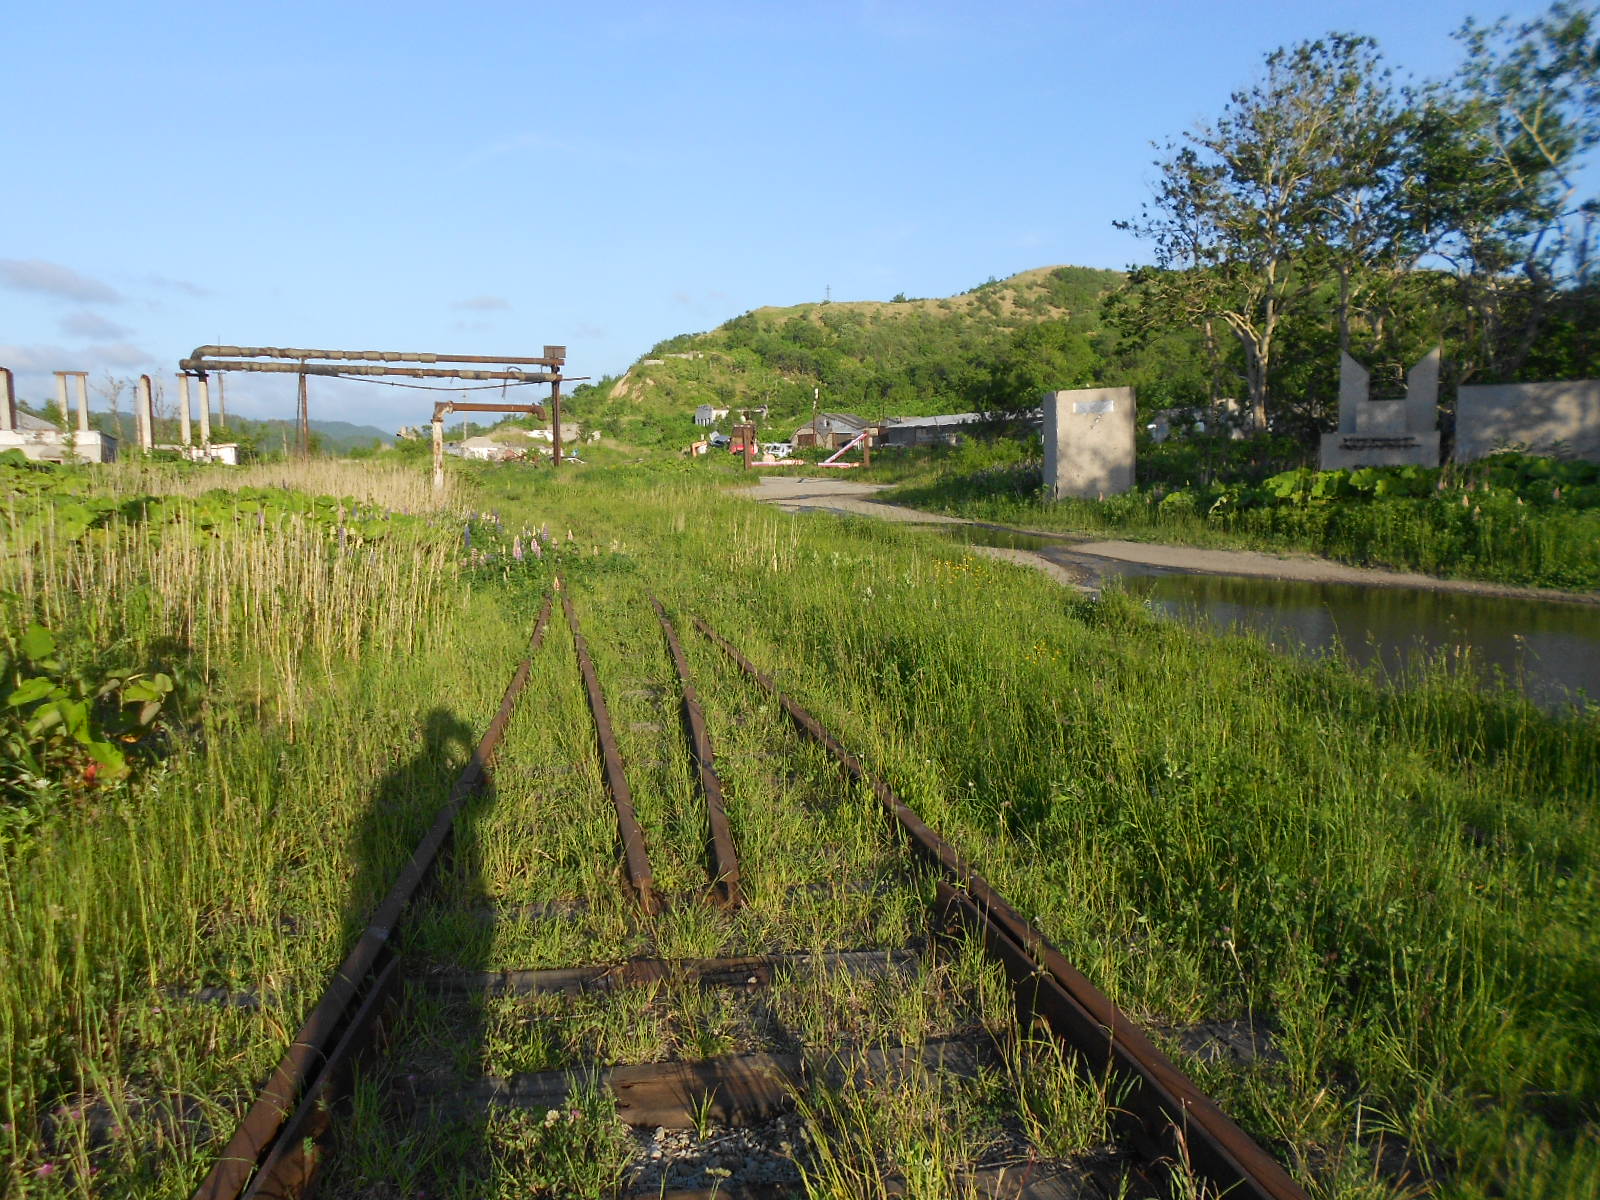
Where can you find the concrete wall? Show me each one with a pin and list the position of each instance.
(50, 445)
(1088, 442)
(1538, 415)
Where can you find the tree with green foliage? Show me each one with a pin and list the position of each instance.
(1254, 207)
(1327, 210)
(1500, 148)
(1036, 359)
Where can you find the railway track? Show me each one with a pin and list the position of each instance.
(891, 1024)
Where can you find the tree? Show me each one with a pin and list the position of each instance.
(1253, 210)
(1500, 147)
(111, 388)
(1039, 358)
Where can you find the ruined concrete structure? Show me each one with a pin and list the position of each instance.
(1088, 442)
(1397, 432)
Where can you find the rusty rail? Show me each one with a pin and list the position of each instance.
(635, 856)
(273, 1151)
(724, 861)
(1172, 1110)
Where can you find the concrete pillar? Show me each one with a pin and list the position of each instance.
(1422, 393)
(83, 400)
(8, 400)
(438, 451)
(205, 412)
(1088, 442)
(1354, 391)
(144, 413)
(61, 401)
(183, 410)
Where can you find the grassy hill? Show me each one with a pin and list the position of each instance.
(993, 346)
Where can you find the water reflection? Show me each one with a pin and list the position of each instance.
(1550, 651)
(995, 535)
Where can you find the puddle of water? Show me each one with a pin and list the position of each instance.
(984, 535)
(1549, 651)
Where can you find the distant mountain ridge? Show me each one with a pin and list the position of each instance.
(338, 436)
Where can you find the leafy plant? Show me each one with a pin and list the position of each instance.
(67, 729)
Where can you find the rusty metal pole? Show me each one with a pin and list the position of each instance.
(438, 449)
(866, 451)
(749, 445)
(555, 423)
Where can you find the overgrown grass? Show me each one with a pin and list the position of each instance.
(1401, 885)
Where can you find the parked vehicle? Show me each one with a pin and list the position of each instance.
(778, 449)
(719, 440)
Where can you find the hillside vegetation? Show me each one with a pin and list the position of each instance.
(995, 346)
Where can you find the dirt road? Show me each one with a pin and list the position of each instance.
(1080, 562)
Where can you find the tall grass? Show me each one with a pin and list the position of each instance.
(233, 858)
(1400, 884)
(396, 486)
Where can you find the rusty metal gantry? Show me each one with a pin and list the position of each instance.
(207, 360)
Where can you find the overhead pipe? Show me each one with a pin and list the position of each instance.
(554, 356)
(201, 366)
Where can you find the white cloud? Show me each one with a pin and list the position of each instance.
(86, 324)
(52, 279)
(37, 358)
(178, 285)
(119, 354)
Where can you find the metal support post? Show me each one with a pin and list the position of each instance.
(438, 449)
(555, 423)
(8, 400)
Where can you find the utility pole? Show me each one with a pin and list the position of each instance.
(747, 432)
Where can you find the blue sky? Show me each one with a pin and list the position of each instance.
(491, 178)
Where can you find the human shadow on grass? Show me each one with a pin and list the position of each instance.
(399, 1135)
